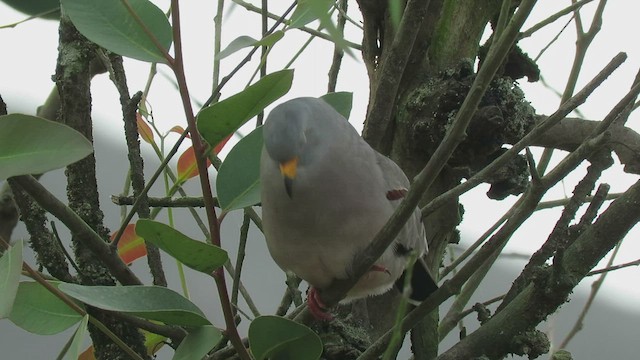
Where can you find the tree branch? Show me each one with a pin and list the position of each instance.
(544, 296)
(390, 73)
(78, 228)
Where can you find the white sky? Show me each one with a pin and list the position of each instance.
(29, 53)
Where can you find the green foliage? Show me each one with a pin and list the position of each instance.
(39, 311)
(238, 181)
(195, 254)
(341, 101)
(148, 302)
(10, 266)
(274, 337)
(244, 41)
(33, 145)
(37, 7)
(111, 25)
(219, 120)
(77, 341)
(198, 343)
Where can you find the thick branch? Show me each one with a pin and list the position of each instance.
(570, 132)
(78, 228)
(390, 73)
(536, 301)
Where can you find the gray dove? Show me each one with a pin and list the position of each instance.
(325, 195)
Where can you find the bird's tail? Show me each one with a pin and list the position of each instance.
(423, 283)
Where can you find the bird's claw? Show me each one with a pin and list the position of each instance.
(316, 307)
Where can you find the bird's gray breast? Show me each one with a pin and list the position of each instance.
(337, 206)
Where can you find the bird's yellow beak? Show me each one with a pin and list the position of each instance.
(288, 169)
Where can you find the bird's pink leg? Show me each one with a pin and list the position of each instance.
(379, 268)
(316, 307)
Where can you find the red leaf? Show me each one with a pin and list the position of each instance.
(218, 148)
(144, 129)
(178, 130)
(187, 167)
(87, 354)
(131, 246)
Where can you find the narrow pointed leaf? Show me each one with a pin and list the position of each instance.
(198, 343)
(110, 25)
(223, 118)
(341, 101)
(244, 41)
(238, 181)
(39, 311)
(236, 44)
(37, 8)
(309, 10)
(33, 145)
(274, 337)
(187, 167)
(195, 254)
(144, 129)
(78, 339)
(10, 266)
(149, 302)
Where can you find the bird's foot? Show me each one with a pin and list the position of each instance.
(396, 194)
(380, 268)
(316, 307)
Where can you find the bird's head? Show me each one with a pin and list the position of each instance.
(292, 135)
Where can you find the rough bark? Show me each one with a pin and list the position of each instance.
(73, 76)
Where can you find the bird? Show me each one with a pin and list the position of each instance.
(325, 194)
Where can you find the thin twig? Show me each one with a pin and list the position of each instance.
(200, 150)
(136, 168)
(595, 287)
(582, 45)
(165, 202)
(338, 52)
(244, 231)
(217, 40)
(310, 31)
(614, 267)
(551, 19)
(562, 202)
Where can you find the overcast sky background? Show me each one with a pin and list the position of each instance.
(29, 61)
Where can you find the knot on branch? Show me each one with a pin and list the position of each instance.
(503, 117)
(531, 343)
(484, 314)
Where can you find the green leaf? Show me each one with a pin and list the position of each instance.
(10, 266)
(77, 342)
(195, 254)
(110, 25)
(274, 337)
(33, 145)
(198, 343)
(38, 311)
(341, 101)
(309, 10)
(238, 181)
(242, 42)
(37, 7)
(219, 120)
(149, 302)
